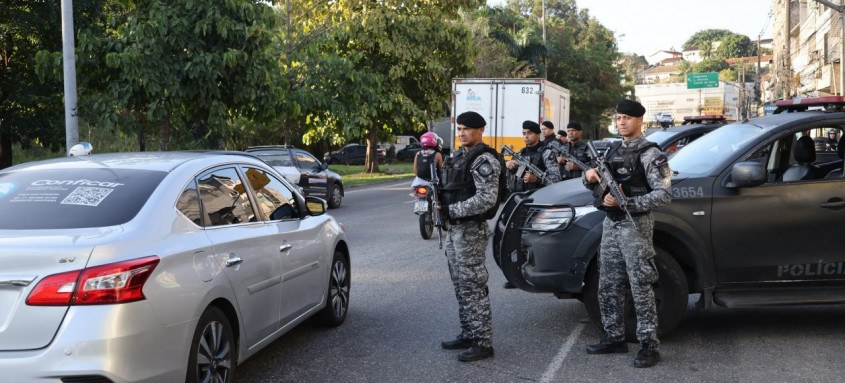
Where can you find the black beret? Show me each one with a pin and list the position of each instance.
(471, 120)
(561, 133)
(573, 125)
(549, 124)
(531, 126)
(630, 108)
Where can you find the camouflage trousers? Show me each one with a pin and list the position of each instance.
(627, 255)
(466, 244)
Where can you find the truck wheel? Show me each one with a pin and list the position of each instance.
(670, 292)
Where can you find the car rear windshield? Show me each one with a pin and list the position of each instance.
(73, 198)
(660, 137)
(274, 157)
(702, 156)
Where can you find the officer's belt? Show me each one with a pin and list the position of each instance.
(617, 215)
(455, 221)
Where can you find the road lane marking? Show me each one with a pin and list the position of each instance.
(554, 366)
(404, 183)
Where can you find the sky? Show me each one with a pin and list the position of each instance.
(647, 26)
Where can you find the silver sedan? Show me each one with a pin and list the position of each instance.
(158, 267)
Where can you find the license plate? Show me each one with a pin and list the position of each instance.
(421, 206)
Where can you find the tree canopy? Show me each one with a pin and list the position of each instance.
(168, 74)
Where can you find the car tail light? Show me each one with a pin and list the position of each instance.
(120, 282)
(421, 190)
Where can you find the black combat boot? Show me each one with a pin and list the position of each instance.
(475, 352)
(647, 357)
(456, 344)
(509, 285)
(608, 346)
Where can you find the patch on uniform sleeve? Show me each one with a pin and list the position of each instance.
(484, 169)
(662, 163)
(660, 160)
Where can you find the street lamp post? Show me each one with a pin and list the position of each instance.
(69, 65)
(841, 10)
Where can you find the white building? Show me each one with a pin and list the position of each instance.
(807, 46)
(659, 56)
(677, 100)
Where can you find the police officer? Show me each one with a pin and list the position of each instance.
(547, 132)
(470, 195)
(576, 148)
(627, 251)
(539, 156)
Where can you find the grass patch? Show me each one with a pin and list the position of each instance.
(353, 175)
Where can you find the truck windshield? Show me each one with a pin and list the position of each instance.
(705, 154)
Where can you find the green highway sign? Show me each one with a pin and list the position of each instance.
(702, 80)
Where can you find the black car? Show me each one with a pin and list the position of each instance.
(672, 139)
(408, 152)
(303, 169)
(755, 220)
(351, 154)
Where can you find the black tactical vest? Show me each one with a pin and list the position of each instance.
(458, 184)
(627, 168)
(579, 151)
(535, 156)
(424, 164)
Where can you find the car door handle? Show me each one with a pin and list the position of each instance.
(833, 205)
(285, 247)
(234, 261)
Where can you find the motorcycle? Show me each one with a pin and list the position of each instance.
(421, 191)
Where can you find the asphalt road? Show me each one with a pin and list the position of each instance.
(403, 305)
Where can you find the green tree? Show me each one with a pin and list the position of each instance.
(390, 66)
(31, 107)
(703, 39)
(184, 69)
(710, 65)
(736, 45)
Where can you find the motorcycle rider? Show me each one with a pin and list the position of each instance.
(429, 154)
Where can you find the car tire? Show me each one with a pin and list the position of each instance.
(213, 355)
(337, 296)
(671, 293)
(334, 196)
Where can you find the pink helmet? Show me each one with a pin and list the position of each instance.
(429, 140)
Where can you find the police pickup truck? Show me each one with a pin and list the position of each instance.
(755, 220)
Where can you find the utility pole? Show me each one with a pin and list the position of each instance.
(841, 10)
(69, 65)
(545, 48)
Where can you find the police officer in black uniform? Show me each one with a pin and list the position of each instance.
(576, 148)
(539, 156)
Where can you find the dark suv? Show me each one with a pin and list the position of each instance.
(755, 219)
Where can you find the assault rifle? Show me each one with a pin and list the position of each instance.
(561, 152)
(435, 202)
(607, 183)
(524, 164)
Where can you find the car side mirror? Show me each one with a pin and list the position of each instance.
(323, 167)
(747, 174)
(316, 205)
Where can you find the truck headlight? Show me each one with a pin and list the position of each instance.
(553, 218)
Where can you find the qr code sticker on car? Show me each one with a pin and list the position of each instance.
(87, 196)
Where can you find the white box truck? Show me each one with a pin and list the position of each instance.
(505, 103)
